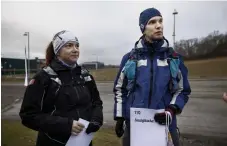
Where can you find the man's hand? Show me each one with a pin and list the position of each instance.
(119, 129)
(161, 117)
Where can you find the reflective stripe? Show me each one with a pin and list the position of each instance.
(142, 63)
(87, 78)
(119, 94)
(180, 88)
(49, 70)
(57, 91)
(57, 80)
(42, 100)
(54, 139)
(47, 134)
(162, 62)
(53, 110)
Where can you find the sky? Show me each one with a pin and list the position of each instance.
(106, 30)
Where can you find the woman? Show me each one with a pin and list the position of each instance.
(60, 94)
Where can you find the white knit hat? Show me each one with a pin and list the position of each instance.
(61, 38)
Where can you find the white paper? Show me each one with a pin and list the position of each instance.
(83, 139)
(144, 130)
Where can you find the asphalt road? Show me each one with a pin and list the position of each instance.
(204, 115)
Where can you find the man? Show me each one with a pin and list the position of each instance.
(151, 76)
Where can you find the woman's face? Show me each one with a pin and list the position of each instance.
(69, 53)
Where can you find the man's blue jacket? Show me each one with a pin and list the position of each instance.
(152, 80)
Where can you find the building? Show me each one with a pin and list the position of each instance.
(17, 66)
(11, 66)
(93, 65)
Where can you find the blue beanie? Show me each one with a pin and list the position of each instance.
(146, 15)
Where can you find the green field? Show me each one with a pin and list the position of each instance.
(208, 68)
(200, 68)
(14, 134)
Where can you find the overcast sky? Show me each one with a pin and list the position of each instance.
(106, 29)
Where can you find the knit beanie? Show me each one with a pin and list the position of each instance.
(146, 15)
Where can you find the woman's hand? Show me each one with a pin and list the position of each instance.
(77, 127)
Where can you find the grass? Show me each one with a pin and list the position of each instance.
(208, 68)
(106, 137)
(14, 133)
(107, 74)
(199, 68)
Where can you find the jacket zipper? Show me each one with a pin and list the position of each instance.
(151, 86)
(151, 79)
(78, 112)
(77, 94)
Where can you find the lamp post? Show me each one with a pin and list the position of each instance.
(27, 34)
(174, 13)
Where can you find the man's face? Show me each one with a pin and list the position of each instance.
(154, 29)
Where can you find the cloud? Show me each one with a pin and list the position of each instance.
(106, 30)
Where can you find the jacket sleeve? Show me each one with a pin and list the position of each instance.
(34, 118)
(97, 104)
(120, 91)
(181, 96)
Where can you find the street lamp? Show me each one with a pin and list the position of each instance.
(27, 34)
(174, 13)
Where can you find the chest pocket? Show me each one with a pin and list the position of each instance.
(74, 94)
(143, 71)
(163, 73)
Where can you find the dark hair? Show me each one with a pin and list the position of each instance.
(49, 53)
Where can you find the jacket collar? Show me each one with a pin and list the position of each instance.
(58, 65)
(156, 46)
